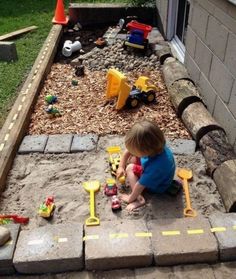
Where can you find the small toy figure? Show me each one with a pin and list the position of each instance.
(110, 187)
(53, 110)
(51, 99)
(115, 203)
(6, 219)
(47, 207)
(114, 158)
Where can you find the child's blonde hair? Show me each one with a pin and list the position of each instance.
(146, 138)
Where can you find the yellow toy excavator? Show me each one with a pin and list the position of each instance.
(117, 86)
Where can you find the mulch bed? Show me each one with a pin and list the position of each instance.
(84, 107)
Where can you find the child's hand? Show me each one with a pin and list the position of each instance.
(120, 172)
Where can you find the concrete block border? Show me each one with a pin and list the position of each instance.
(120, 244)
(78, 143)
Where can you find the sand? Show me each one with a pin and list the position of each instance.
(35, 176)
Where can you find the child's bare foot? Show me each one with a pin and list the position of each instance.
(140, 201)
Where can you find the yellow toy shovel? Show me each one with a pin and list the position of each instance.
(92, 187)
(185, 174)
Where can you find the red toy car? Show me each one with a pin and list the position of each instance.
(110, 187)
(115, 203)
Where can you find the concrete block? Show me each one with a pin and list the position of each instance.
(117, 246)
(203, 57)
(182, 146)
(224, 270)
(226, 239)
(59, 144)
(193, 271)
(207, 5)
(223, 115)
(227, 20)
(191, 40)
(192, 67)
(199, 21)
(154, 36)
(232, 100)
(208, 93)
(180, 241)
(52, 248)
(7, 251)
(154, 273)
(84, 142)
(230, 56)
(33, 143)
(221, 79)
(8, 51)
(216, 37)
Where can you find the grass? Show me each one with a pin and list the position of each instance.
(14, 15)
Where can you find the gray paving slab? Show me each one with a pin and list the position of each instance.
(183, 240)
(182, 146)
(52, 248)
(117, 246)
(59, 143)
(33, 143)
(226, 239)
(8, 51)
(7, 251)
(84, 142)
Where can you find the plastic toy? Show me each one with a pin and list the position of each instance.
(138, 35)
(47, 207)
(117, 86)
(74, 82)
(185, 175)
(51, 99)
(110, 188)
(115, 203)
(114, 158)
(92, 187)
(5, 219)
(53, 110)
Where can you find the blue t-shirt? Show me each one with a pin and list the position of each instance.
(158, 171)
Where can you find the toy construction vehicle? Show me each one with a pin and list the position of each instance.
(117, 86)
(110, 188)
(114, 158)
(115, 203)
(138, 33)
(47, 207)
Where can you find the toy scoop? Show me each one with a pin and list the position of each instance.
(92, 187)
(185, 175)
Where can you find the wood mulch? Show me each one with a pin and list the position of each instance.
(85, 110)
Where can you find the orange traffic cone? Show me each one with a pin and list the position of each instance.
(60, 17)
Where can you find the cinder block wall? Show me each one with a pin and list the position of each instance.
(211, 58)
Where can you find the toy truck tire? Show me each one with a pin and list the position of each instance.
(149, 97)
(132, 102)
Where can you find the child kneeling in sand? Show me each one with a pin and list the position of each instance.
(150, 166)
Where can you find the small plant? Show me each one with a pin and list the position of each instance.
(143, 3)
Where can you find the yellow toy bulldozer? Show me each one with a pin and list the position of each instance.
(117, 86)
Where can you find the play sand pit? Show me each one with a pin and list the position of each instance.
(34, 177)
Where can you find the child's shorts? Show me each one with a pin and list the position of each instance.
(137, 170)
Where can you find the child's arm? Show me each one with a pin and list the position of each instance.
(137, 190)
(121, 169)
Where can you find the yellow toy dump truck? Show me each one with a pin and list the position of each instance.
(117, 86)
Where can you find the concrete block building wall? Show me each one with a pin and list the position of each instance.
(210, 57)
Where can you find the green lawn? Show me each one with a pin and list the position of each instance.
(14, 15)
